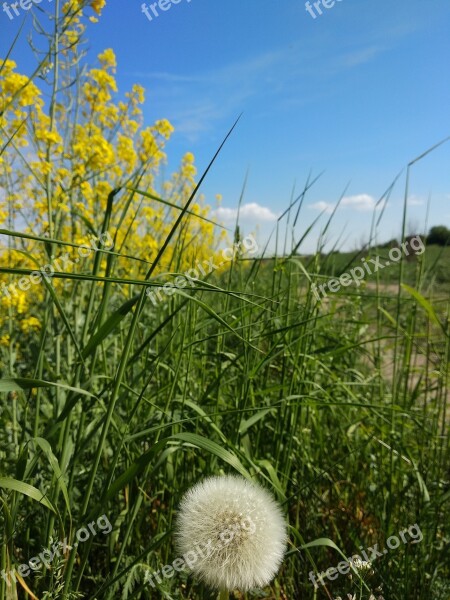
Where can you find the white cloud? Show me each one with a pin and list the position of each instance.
(415, 201)
(251, 211)
(322, 206)
(359, 202)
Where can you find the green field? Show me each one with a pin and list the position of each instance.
(436, 267)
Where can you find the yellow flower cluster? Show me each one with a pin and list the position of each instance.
(30, 324)
(98, 5)
(60, 167)
(13, 298)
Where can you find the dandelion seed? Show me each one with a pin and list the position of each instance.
(235, 529)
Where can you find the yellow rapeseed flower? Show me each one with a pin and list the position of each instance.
(5, 340)
(98, 5)
(30, 324)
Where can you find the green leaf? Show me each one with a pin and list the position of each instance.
(245, 425)
(213, 448)
(14, 384)
(47, 450)
(8, 483)
(318, 542)
(266, 464)
(202, 413)
(109, 325)
(425, 304)
(322, 542)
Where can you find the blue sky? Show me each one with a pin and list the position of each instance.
(355, 93)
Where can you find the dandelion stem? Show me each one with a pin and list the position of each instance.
(223, 595)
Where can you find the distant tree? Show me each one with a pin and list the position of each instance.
(390, 244)
(439, 236)
(394, 243)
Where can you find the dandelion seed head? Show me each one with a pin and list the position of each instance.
(236, 530)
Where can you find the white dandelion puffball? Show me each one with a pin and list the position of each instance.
(231, 533)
